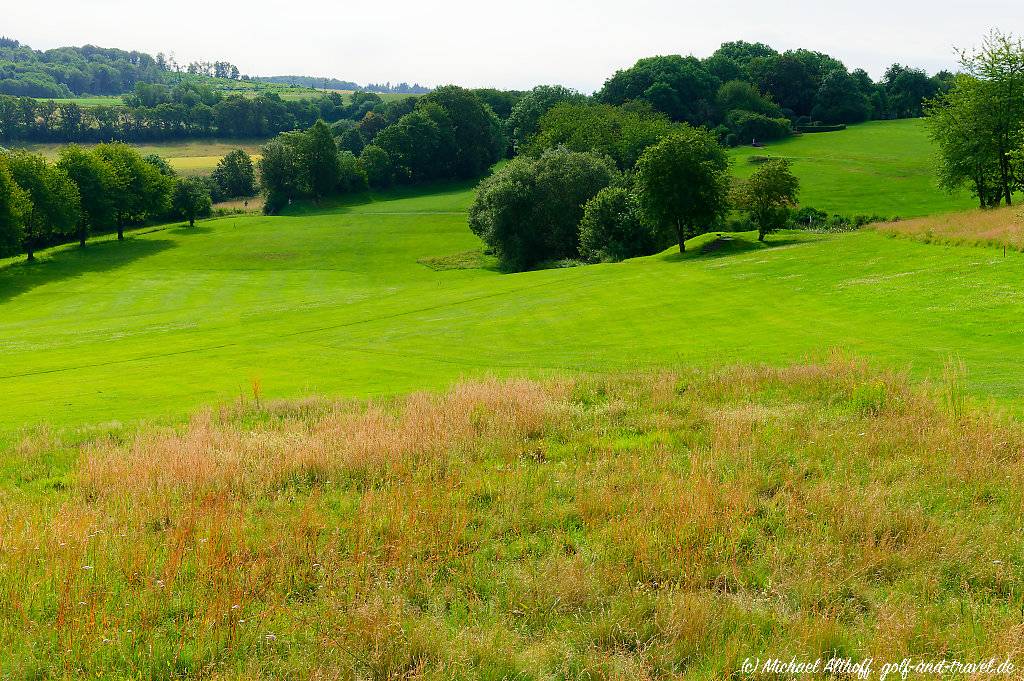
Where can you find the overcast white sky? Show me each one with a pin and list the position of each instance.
(510, 44)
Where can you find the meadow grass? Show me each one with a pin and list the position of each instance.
(881, 168)
(1000, 227)
(629, 526)
(188, 157)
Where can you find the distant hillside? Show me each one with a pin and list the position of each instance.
(70, 71)
(67, 72)
(336, 84)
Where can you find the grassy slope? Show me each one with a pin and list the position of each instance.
(661, 526)
(335, 303)
(878, 168)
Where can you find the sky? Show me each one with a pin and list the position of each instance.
(508, 45)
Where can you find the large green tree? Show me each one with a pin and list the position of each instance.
(683, 183)
(475, 130)
(96, 183)
(235, 175)
(320, 160)
(680, 87)
(281, 174)
(377, 165)
(907, 89)
(839, 99)
(768, 195)
(612, 227)
(529, 210)
(622, 133)
(979, 123)
(15, 205)
(191, 199)
(524, 119)
(56, 204)
(415, 144)
(140, 191)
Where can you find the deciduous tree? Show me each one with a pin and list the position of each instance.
(192, 199)
(768, 195)
(683, 183)
(55, 203)
(96, 183)
(140, 191)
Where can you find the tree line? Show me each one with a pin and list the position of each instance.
(978, 124)
(189, 109)
(743, 91)
(104, 189)
(450, 133)
(70, 71)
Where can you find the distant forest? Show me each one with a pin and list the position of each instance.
(336, 84)
(744, 92)
(67, 72)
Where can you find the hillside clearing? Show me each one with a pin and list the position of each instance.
(883, 168)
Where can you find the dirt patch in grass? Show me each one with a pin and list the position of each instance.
(467, 260)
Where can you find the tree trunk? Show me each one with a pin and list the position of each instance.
(30, 236)
(191, 222)
(681, 237)
(120, 230)
(760, 235)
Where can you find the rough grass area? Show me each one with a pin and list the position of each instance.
(998, 227)
(467, 260)
(637, 526)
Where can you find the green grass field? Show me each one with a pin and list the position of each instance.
(188, 157)
(878, 168)
(336, 301)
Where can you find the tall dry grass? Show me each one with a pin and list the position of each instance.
(636, 526)
(996, 227)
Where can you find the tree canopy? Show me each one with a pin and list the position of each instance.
(683, 183)
(978, 124)
(529, 210)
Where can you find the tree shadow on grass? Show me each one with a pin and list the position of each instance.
(339, 204)
(724, 245)
(73, 261)
(186, 230)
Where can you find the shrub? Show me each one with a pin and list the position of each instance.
(612, 228)
(377, 165)
(529, 211)
(748, 125)
(819, 127)
(351, 175)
